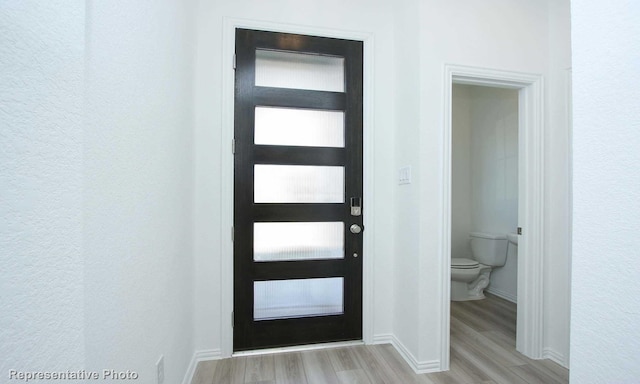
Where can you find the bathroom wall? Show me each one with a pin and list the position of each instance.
(494, 174)
(461, 186)
(485, 173)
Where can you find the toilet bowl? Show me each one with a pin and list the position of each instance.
(470, 276)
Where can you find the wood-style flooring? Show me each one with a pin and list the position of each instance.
(482, 351)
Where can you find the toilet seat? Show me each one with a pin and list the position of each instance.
(462, 263)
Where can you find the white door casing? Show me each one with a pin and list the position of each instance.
(529, 339)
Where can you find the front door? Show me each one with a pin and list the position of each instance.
(297, 190)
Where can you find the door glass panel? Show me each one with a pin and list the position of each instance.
(278, 299)
(301, 127)
(298, 241)
(282, 69)
(298, 184)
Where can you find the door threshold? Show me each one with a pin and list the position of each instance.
(298, 348)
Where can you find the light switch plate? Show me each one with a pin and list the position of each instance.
(404, 175)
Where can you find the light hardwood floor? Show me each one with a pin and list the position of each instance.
(482, 351)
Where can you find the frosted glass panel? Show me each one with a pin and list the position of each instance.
(299, 71)
(302, 127)
(298, 184)
(277, 299)
(298, 241)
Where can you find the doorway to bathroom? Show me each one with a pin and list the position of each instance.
(484, 219)
(492, 184)
(484, 190)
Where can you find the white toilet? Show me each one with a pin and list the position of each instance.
(469, 277)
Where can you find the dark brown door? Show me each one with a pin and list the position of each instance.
(298, 190)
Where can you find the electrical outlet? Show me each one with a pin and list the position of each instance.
(160, 369)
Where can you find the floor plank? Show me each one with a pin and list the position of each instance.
(447, 377)
(399, 367)
(230, 371)
(259, 369)
(353, 376)
(318, 367)
(289, 369)
(343, 359)
(204, 372)
(504, 356)
(465, 369)
(484, 362)
(552, 369)
(533, 376)
(376, 368)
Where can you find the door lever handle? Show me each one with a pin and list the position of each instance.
(355, 228)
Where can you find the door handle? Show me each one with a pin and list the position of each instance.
(355, 228)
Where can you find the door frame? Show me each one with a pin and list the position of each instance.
(529, 337)
(227, 167)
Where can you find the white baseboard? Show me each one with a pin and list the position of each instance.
(191, 370)
(555, 356)
(505, 295)
(418, 367)
(198, 356)
(383, 338)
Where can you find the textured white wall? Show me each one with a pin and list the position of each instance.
(138, 187)
(41, 278)
(605, 306)
(373, 17)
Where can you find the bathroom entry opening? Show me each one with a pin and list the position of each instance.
(530, 171)
(298, 190)
(484, 193)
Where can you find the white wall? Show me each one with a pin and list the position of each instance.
(41, 278)
(511, 35)
(605, 341)
(494, 160)
(485, 173)
(406, 298)
(138, 186)
(494, 169)
(369, 17)
(557, 201)
(96, 175)
(461, 179)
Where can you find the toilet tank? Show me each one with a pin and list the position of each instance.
(489, 248)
